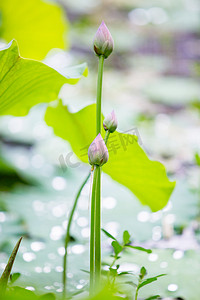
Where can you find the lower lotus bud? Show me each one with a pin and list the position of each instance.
(110, 122)
(98, 152)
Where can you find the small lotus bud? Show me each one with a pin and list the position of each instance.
(110, 122)
(98, 152)
(103, 41)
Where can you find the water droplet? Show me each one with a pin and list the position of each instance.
(59, 183)
(153, 257)
(129, 267)
(178, 254)
(156, 216)
(167, 207)
(170, 218)
(83, 203)
(38, 269)
(30, 288)
(56, 233)
(139, 16)
(61, 251)
(112, 228)
(82, 221)
(64, 224)
(157, 15)
(2, 265)
(59, 210)
(78, 249)
(29, 256)
(79, 286)
(172, 287)
(57, 284)
(2, 217)
(59, 269)
(85, 232)
(143, 216)
(48, 287)
(37, 246)
(109, 202)
(47, 269)
(156, 233)
(82, 281)
(70, 275)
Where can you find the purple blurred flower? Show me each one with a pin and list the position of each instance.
(110, 122)
(98, 152)
(103, 41)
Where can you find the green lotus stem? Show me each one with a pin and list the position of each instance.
(136, 293)
(98, 228)
(137, 289)
(106, 136)
(95, 224)
(67, 236)
(92, 232)
(99, 92)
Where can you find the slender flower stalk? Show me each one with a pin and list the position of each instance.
(67, 236)
(98, 229)
(92, 233)
(97, 212)
(99, 93)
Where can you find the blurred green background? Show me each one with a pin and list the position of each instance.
(152, 82)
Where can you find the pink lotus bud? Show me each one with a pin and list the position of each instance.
(103, 41)
(98, 152)
(110, 122)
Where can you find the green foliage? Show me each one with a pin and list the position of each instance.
(18, 293)
(153, 297)
(14, 277)
(197, 159)
(108, 234)
(117, 247)
(143, 272)
(126, 237)
(129, 165)
(6, 273)
(139, 248)
(149, 280)
(37, 25)
(25, 83)
(114, 273)
(143, 282)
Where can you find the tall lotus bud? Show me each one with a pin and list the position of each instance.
(110, 122)
(103, 41)
(98, 152)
